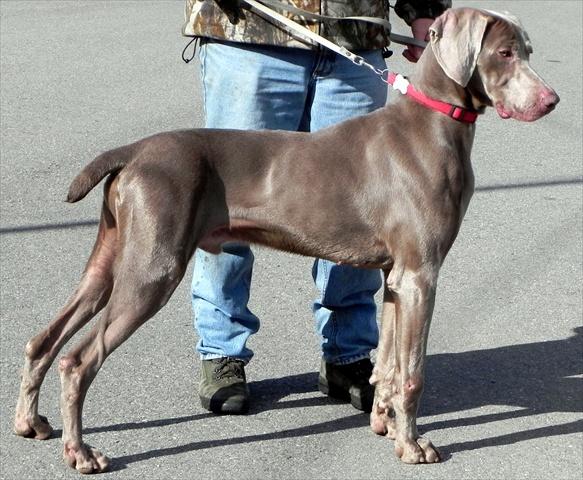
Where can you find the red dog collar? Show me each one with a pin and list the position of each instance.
(400, 83)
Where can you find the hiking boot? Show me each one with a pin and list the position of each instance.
(223, 386)
(348, 382)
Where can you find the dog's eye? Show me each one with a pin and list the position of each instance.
(505, 52)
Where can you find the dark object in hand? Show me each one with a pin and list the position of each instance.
(233, 10)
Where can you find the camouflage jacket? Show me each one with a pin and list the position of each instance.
(204, 18)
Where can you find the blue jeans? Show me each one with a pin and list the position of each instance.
(263, 87)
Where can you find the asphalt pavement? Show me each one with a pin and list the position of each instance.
(503, 394)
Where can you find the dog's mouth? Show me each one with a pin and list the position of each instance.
(502, 112)
(528, 115)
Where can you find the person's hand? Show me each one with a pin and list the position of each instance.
(233, 10)
(420, 29)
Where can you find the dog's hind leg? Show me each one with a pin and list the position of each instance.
(143, 283)
(89, 298)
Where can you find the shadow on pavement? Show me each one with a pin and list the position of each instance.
(346, 423)
(539, 377)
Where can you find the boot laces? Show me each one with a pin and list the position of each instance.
(229, 368)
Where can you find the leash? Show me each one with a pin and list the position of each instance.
(262, 9)
(396, 81)
(395, 37)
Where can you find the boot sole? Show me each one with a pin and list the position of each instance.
(229, 406)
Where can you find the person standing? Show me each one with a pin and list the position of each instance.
(256, 75)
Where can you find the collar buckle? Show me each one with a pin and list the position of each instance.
(456, 112)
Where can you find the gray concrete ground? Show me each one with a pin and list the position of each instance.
(503, 396)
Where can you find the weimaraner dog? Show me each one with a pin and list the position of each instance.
(398, 182)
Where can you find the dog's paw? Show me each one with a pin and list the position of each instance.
(32, 427)
(417, 451)
(85, 459)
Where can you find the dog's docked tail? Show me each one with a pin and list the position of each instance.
(109, 162)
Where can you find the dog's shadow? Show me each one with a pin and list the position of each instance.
(538, 378)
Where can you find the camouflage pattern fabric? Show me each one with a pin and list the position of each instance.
(209, 18)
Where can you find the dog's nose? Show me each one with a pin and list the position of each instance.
(549, 99)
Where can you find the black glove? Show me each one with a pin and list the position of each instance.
(233, 10)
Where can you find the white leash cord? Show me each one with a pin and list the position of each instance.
(264, 11)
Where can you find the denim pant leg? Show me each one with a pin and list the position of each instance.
(245, 87)
(346, 311)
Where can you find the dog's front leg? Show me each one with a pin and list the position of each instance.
(382, 417)
(414, 295)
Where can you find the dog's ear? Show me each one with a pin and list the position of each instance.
(456, 40)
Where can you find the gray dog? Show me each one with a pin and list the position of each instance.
(398, 182)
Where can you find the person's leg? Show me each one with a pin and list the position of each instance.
(346, 311)
(245, 87)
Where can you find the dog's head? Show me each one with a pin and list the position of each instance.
(488, 54)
